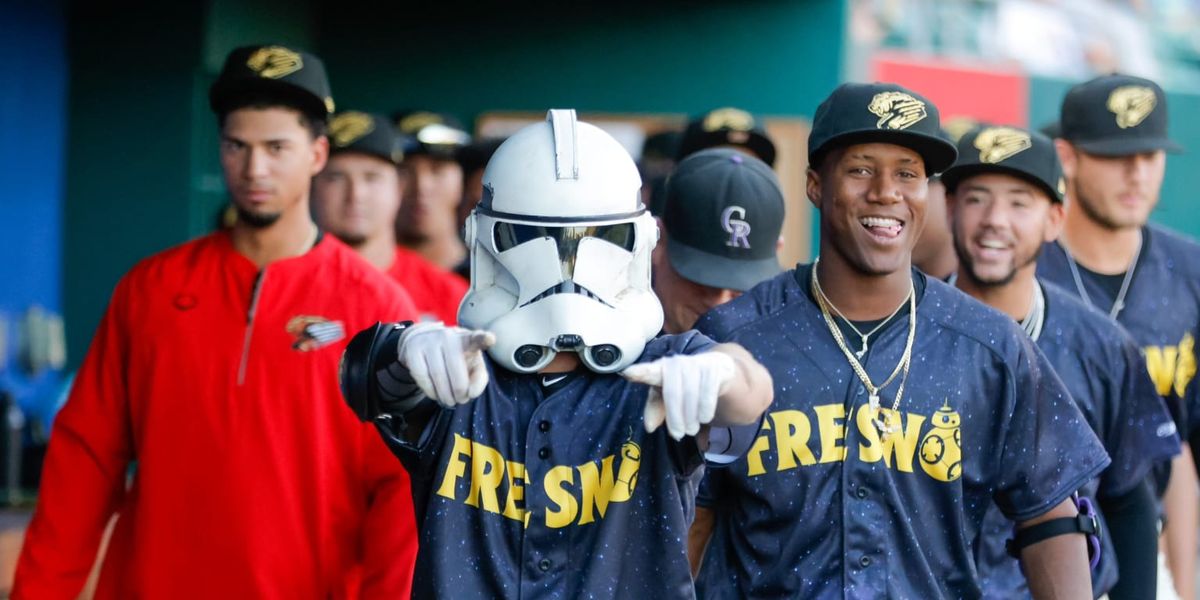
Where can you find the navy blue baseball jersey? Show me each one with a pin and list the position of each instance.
(1161, 311)
(1103, 370)
(532, 492)
(821, 506)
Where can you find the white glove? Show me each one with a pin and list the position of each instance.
(683, 390)
(446, 362)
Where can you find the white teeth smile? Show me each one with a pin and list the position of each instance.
(879, 222)
(993, 244)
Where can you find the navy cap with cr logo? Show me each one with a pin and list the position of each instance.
(1116, 115)
(723, 214)
(866, 113)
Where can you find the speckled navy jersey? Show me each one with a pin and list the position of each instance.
(821, 507)
(1103, 370)
(522, 495)
(1162, 312)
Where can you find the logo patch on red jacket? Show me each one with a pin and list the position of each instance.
(312, 333)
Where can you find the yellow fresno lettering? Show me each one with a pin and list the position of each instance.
(791, 432)
(577, 495)
(1172, 367)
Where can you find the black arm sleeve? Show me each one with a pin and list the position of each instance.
(1132, 521)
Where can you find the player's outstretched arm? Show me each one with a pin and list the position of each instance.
(1057, 568)
(394, 371)
(722, 387)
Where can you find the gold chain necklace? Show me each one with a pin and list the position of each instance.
(823, 302)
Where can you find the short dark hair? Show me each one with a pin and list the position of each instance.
(260, 100)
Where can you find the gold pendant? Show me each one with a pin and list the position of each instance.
(882, 423)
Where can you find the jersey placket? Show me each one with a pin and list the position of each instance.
(543, 549)
(864, 558)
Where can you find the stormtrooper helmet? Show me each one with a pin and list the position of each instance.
(560, 250)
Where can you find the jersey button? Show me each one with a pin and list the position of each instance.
(544, 453)
(544, 426)
(864, 561)
(544, 564)
(860, 493)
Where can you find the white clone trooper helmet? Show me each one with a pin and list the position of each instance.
(560, 250)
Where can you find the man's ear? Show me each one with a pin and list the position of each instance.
(1054, 221)
(1068, 157)
(812, 187)
(320, 149)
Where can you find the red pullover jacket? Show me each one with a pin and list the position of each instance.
(252, 478)
(436, 293)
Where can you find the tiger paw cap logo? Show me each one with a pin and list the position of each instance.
(312, 332)
(941, 450)
(1132, 104)
(736, 122)
(896, 110)
(274, 62)
(349, 127)
(996, 144)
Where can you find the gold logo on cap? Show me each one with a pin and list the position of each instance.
(417, 121)
(1132, 104)
(996, 144)
(896, 110)
(728, 118)
(349, 127)
(274, 62)
(1062, 187)
(329, 104)
(957, 127)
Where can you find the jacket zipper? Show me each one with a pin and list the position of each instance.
(254, 292)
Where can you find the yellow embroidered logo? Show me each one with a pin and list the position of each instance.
(576, 495)
(311, 333)
(329, 104)
(1132, 104)
(349, 127)
(1172, 367)
(896, 110)
(738, 123)
(274, 62)
(996, 144)
(418, 120)
(786, 434)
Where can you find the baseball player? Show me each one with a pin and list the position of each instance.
(356, 198)
(720, 229)
(428, 220)
(904, 410)
(206, 410)
(1113, 144)
(537, 469)
(1005, 199)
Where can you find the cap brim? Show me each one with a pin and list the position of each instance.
(224, 94)
(722, 272)
(938, 153)
(1127, 146)
(955, 175)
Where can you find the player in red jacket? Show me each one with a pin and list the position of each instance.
(356, 198)
(206, 414)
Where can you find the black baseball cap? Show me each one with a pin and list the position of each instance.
(726, 127)
(863, 113)
(296, 77)
(354, 131)
(723, 214)
(1116, 115)
(1027, 155)
(431, 133)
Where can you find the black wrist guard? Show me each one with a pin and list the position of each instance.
(372, 353)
